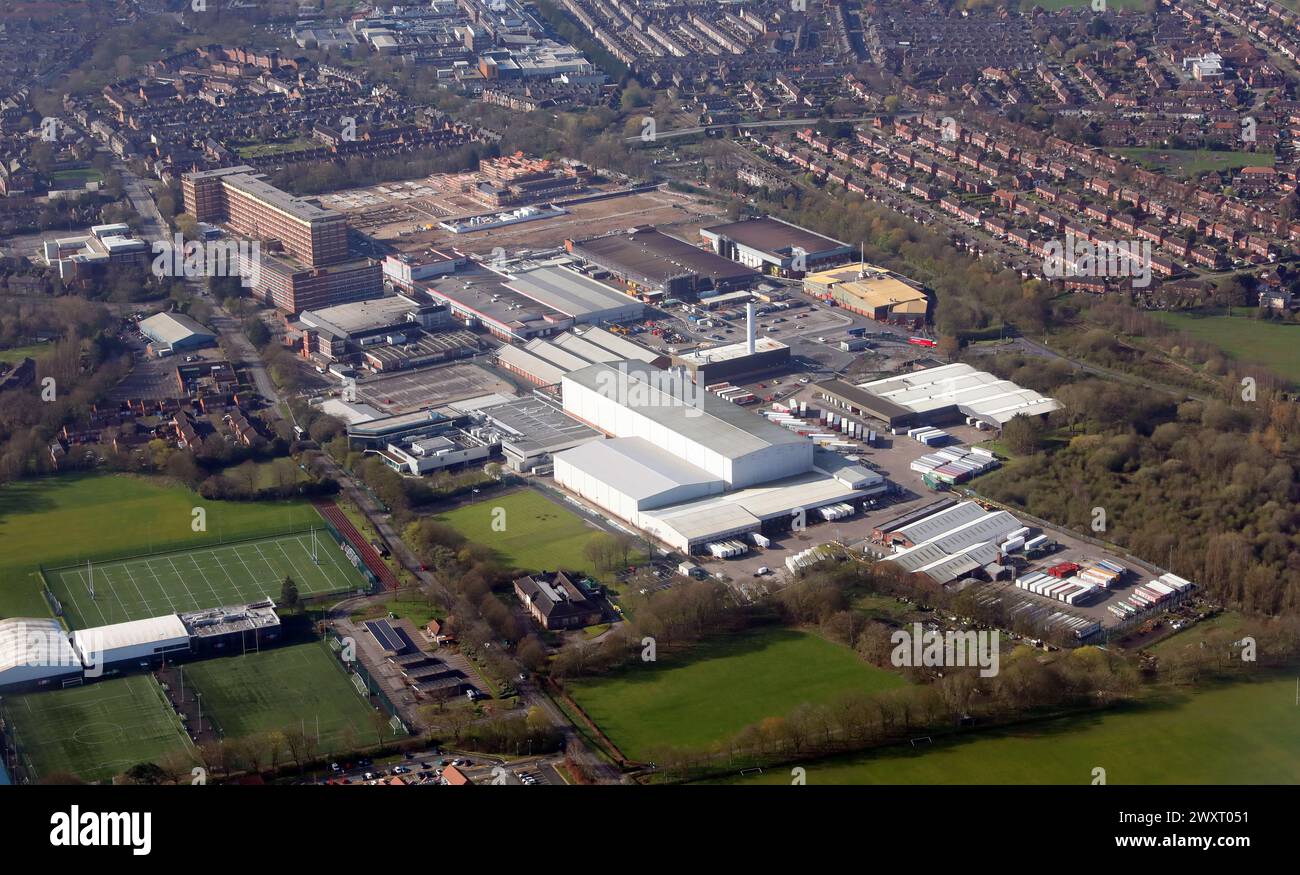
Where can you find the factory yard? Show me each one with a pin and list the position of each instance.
(406, 215)
(404, 391)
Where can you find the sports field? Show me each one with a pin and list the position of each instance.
(1274, 345)
(538, 533)
(724, 687)
(99, 730)
(65, 519)
(210, 577)
(298, 687)
(1186, 163)
(1243, 733)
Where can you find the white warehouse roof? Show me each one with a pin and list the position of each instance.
(727, 429)
(638, 468)
(973, 392)
(718, 516)
(957, 537)
(34, 644)
(134, 633)
(173, 328)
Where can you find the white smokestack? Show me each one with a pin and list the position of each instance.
(750, 328)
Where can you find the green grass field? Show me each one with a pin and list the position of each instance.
(296, 687)
(539, 533)
(722, 688)
(1192, 162)
(66, 519)
(96, 731)
(263, 150)
(1274, 345)
(1243, 733)
(82, 176)
(210, 577)
(17, 353)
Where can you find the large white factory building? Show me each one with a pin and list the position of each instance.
(692, 469)
(673, 413)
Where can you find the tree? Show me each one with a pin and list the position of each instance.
(289, 593)
(1024, 434)
(145, 773)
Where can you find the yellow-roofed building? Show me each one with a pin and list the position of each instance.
(869, 290)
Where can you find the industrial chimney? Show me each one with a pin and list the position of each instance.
(750, 328)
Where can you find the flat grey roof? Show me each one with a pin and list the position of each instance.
(675, 402)
(345, 319)
(300, 209)
(533, 425)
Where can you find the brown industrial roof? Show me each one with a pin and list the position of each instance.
(772, 235)
(657, 257)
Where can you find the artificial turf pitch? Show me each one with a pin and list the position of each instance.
(96, 731)
(299, 687)
(209, 577)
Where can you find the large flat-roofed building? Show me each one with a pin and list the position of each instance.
(545, 361)
(629, 475)
(292, 286)
(576, 295)
(334, 332)
(484, 299)
(766, 507)
(134, 641)
(937, 395)
(532, 430)
(775, 247)
(734, 361)
(86, 255)
(871, 291)
(174, 332)
(650, 263)
(667, 409)
(244, 201)
(375, 432)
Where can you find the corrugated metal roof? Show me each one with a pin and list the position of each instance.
(570, 292)
(524, 360)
